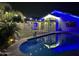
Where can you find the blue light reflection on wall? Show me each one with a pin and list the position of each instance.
(35, 25)
(56, 30)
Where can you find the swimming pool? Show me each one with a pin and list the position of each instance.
(36, 47)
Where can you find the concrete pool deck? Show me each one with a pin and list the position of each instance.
(13, 50)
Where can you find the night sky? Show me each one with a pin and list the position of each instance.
(40, 9)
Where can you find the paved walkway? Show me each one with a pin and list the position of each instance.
(13, 50)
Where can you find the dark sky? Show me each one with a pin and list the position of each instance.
(40, 9)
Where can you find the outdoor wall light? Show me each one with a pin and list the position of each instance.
(24, 17)
(30, 18)
(16, 15)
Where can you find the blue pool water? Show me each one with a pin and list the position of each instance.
(69, 47)
(35, 48)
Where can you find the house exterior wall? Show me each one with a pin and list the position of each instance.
(67, 18)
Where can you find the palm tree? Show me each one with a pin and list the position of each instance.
(6, 33)
(8, 27)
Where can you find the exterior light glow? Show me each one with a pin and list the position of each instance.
(24, 17)
(42, 19)
(16, 15)
(11, 40)
(31, 19)
(52, 16)
(49, 16)
(6, 12)
(59, 19)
